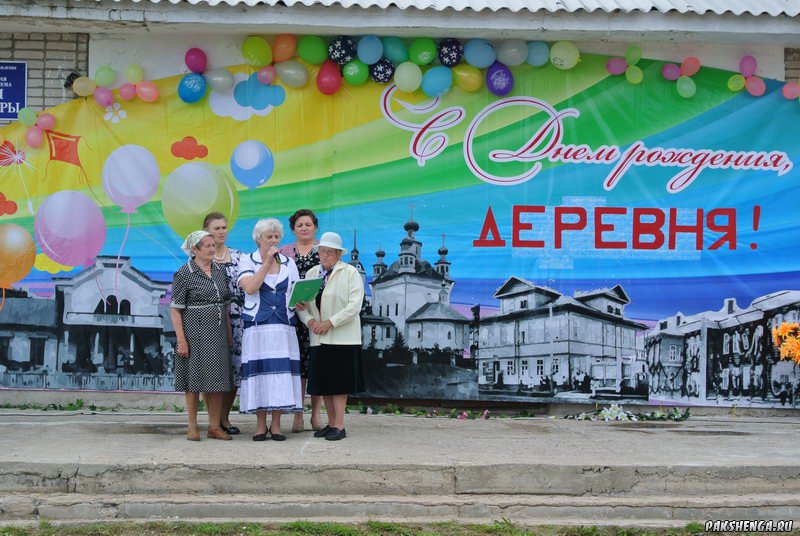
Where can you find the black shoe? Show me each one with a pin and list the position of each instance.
(334, 434)
(321, 433)
(231, 430)
(260, 437)
(278, 437)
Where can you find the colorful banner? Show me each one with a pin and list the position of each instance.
(582, 238)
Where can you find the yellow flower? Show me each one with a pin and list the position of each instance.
(775, 337)
(790, 349)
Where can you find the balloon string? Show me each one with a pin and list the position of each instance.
(119, 256)
(97, 280)
(159, 244)
(3, 300)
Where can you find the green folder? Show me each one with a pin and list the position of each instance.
(305, 290)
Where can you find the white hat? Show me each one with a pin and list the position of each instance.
(331, 240)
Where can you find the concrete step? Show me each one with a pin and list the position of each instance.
(667, 510)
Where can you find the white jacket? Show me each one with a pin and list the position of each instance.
(341, 304)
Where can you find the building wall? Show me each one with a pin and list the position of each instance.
(405, 295)
(427, 334)
(792, 63)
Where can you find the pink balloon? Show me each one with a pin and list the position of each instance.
(147, 91)
(267, 75)
(103, 96)
(127, 91)
(616, 66)
(45, 121)
(755, 86)
(791, 90)
(670, 71)
(33, 136)
(747, 66)
(196, 60)
(70, 228)
(130, 177)
(690, 66)
(329, 79)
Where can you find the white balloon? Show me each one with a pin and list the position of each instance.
(292, 73)
(220, 80)
(512, 52)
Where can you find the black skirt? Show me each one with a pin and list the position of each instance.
(335, 369)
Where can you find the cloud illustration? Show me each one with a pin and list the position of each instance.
(44, 263)
(7, 206)
(188, 149)
(248, 98)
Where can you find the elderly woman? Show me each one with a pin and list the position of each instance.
(199, 312)
(216, 224)
(270, 354)
(335, 367)
(304, 224)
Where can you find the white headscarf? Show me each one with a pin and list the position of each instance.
(192, 240)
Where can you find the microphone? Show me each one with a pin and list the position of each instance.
(277, 258)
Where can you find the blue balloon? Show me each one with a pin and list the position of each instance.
(437, 81)
(370, 49)
(252, 163)
(479, 53)
(538, 53)
(192, 88)
(394, 50)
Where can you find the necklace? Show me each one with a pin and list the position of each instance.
(220, 258)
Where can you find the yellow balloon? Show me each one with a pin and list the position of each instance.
(467, 77)
(84, 86)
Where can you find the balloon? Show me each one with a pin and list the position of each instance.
(499, 79)
(127, 91)
(34, 136)
(192, 191)
(17, 254)
(512, 52)
(356, 72)
(634, 75)
(252, 163)
(467, 77)
(748, 66)
(479, 53)
(134, 73)
(754, 85)
(633, 55)
(267, 75)
(70, 228)
(147, 91)
(690, 66)
(437, 81)
(394, 50)
(192, 88)
(130, 177)
(27, 116)
(382, 71)
(670, 71)
(311, 49)
(220, 80)
(408, 76)
(790, 91)
(686, 87)
(616, 66)
(370, 49)
(564, 55)
(285, 48)
(736, 82)
(83, 86)
(104, 76)
(450, 51)
(422, 51)
(292, 73)
(196, 60)
(104, 96)
(329, 79)
(342, 49)
(256, 51)
(538, 53)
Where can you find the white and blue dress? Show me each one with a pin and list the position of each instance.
(270, 352)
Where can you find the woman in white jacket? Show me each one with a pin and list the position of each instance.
(335, 367)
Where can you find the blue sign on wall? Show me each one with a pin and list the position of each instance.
(13, 88)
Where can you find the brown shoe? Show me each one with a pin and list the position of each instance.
(217, 433)
(192, 435)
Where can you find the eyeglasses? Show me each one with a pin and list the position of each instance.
(327, 252)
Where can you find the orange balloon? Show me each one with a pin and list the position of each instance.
(147, 91)
(285, 48)
(17, 254)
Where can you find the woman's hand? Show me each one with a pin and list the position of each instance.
(321, 327)
(301, 306)
(272, 252)
(183, 349)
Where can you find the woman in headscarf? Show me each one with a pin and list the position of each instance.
(199, 312)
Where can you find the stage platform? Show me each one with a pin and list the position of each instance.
(79, 466)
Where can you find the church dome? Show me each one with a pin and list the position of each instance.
(411, 226)
(443, 250)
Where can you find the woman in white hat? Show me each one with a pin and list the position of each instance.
(335, 327)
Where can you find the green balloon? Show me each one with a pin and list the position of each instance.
(394, 50)
(355, 73)
(312, 49)
(256, 51)
(633, 55)
(686, 87)
(134, 73)
(422, 51)
(736, 82)
(104, 76)
(27, 117)
(634, 75)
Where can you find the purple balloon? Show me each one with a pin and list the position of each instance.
(130, 177)
(748, 66)
(70, 228)
(616, 66)
(670, 71)
(499, 79)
